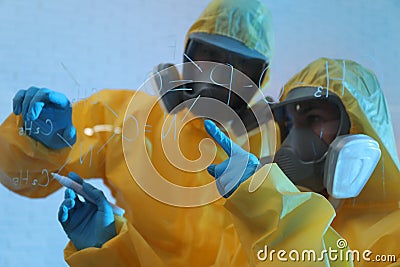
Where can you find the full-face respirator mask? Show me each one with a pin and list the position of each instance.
(204, 47)
(317, 151)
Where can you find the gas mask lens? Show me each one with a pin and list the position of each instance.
(321, 117)
(225, 50)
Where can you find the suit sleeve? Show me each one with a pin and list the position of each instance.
(26, 164)
(275, 216)
(128, 248)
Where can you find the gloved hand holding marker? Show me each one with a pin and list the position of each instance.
(88, 223)
(78, 188)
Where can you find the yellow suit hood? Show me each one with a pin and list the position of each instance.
(247, 21)
(363, 99)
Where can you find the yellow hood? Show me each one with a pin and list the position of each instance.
(366, 106)
(247, 21)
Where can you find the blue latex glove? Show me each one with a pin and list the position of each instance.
(86, 224)
(236, 169)
(47, 116)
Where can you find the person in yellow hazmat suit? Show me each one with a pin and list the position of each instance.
(338, 140)
(248, 225)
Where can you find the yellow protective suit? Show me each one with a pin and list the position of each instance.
(228, 232)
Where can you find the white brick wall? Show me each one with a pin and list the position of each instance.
(107, 44)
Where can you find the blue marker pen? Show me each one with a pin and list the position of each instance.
(69, 183)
